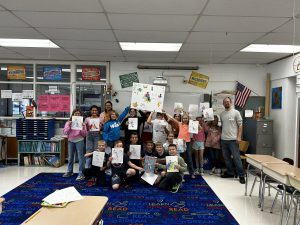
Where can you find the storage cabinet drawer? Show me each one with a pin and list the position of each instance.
(264, 127)
(264, 141)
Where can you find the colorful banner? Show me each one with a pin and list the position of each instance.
(90, 73)
(198, 79)
(128, 79)
(16, 73)
(54, 103)
(52, 73)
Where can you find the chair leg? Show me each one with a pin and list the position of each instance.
(269, 189)
(273, 204)
(253, 186)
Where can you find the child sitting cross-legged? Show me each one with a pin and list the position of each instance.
(95, 174)
(160, 155)
(121, 171)
(172, 180)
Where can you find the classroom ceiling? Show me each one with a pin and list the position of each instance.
(212, 31)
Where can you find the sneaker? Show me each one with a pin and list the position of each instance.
(202, 172)
(175, 188)
(213, 170)
(67, 174)
(226, 175)
(193, 176)
(196, 172)
(80, 178)
(218, 171)
(242, 180)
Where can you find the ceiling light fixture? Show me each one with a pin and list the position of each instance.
(160, 47)
(27, 43)
(272, 48)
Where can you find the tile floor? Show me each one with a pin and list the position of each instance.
(230, 191)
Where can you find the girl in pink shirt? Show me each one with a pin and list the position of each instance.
(199, 146)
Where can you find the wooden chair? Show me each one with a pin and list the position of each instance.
(243, 146)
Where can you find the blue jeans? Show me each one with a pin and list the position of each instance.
(92, 139)
(77, 147)
(214, 157)
(189, 158)
(231, 148)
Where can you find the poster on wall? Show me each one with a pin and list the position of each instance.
(217, 100)
(17, 97)
(28, 94)
(147, 97)
(91, 73)
(128, 79)
(198, 80)
(54, 103)
(6, 93)
(16, 73)
(52, 73)
(277, 98)
(43, 103)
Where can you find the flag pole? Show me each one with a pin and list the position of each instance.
(249, 88)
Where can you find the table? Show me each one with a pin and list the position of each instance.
(295, 183)
(278, 172)
(83, 212)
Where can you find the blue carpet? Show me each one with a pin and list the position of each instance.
(195, 203)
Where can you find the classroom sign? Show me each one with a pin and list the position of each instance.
(52, 73)
(16, 73)
(147, 97)
(198, 79)
(54, 103)
(128, 79)
(90, 73)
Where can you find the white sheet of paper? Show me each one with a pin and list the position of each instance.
(180, 145)
(150, 178)
(203, 105)
(193, 126)
(77, 122)
(193, 110)
(135, 151)
(28, 94)
(6, 93)
(171, 161)
(147, 97)
(69, 194)
(132, 123)
(248, 113)
(208, 114)
(98, 158)
(178, 107)
(17, 97)
(94, 124)
(117, 155)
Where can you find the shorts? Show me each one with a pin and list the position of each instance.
(117, 178)
(198, 145)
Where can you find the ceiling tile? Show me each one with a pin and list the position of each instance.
(279, 38)
(101, 58)
(212, 47)
(205, 54)
(78, 34)
(13, 32)
(52, 57)
(88, 44)
(154, 6)
(13, 56)
(238, 24)
(289, 27)
(65, 20)
(153, 60)
(39, 51)
(271, 8)
(150, 54)
(95, 52)
(151, 36)
(6, 51)
(222, 37)
(246, 61)
(258, 55)
(199, 60)
(53, 5)
(9, 20)
(152, 22)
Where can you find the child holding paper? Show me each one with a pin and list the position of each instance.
(134, 143)
(149, 149)
(75, 144)
(96, 174)
(172, 180)
(93, 136)
(111, 129)
(198, 145)
(158, 126)
(121, 171)
(160, 155)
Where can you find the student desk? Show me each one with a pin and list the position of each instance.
(257, 161)
(83, 212)
(278, 172)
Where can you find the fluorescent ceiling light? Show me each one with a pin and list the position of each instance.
(163, 47)
(272, 48)
(33, 43)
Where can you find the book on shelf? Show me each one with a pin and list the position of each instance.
(26, 161)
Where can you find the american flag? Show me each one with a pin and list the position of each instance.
(242, 94)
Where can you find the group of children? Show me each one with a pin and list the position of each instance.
(159, 137)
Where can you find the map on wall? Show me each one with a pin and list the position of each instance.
(147, 97)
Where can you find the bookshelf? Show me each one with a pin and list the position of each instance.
(41, 152)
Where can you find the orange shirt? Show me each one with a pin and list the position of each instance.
(184, 132)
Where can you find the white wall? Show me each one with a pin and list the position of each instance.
(222, 77)
(285, 119)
